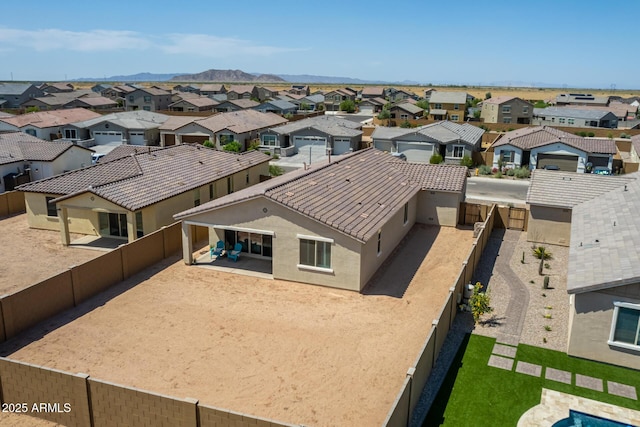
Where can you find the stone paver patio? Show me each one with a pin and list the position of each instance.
(501, 362)
(557, 375)
(591, 383)
(528, 369)
(504, 350)
(622, 390)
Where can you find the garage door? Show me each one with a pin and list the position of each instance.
(416, 152)
(564, 162)
(599, 161)
(107, 137)
(169, 139)
(192, 139)
(136, 138)
(366, 109)
(302, 141)
(341, 145)
(382, 145)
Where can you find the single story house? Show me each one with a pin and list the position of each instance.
(574, 117)
(209, 89)
(242, 92)
(57, 87)
(200, 103)
(51, 125)
(603, 279)
(313, 102)
(406, 111)
(25, 158)
(135, 195)
(451, 140)
(553, 195)
(543, 145)
(333, 224)
(138, 127)
(321, 132)
(277, 106)
(581, 99)
(12, 95)
(372, 106)
(235, 105)
(242, 126)
(506, 109)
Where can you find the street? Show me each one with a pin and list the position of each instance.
(497, 190)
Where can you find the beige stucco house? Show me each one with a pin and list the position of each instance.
(604, 277)
(333, 224)
(448, 105)
(506, 109)
(553, 195)
(135, 195)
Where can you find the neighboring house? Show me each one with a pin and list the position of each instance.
(13, 95)
(149, 99)
(372, 92)
(56, 87)
(634, 154)
(542, 145)
(92, 103)
(51, 125)
(242, 92)
(187, 88)
(309, 102)
(235, 105)
(406, 111)
(209, 89)
(117, 92)
(320, 132)
(127, 127)
(265, 93)
(242, 126)
(553, 195)
(451, 140)
(277, 106)
(133, 196)
(574, 117)
(100, 87)
(24, 158)
(372, 106)
(334, 224)
(201, 103)
(448, 105)
(334, 98)
(506, 109)
(300, 90)
(581, 99)
(621, 110)
(127, 150)
(428, 92)
(397, 95)
(603, 279)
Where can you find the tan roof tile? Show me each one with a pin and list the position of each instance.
(45, 119)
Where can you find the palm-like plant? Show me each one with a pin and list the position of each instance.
(542, 254)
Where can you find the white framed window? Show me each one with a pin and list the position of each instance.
(438, 106)
(561, 120)
(508, 156)
(270, 140)
(70, 134)
(570, 121)
(196, 197)
(456, 106)
(625, 327)
(525, 110)
(315, 253)
(454, 117)
(506, 120)
(506, 109)
(458, 151)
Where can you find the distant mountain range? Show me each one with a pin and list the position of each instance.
(227, 76)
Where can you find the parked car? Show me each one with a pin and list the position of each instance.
(400, 156)
(551, 167)
(602, 170)
(95, 157)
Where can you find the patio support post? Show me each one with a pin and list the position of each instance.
(131, 226)
(187, 243)
(63, 217)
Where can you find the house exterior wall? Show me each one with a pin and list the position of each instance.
(450, 160)
(438, 208)
(519, 110)
(591, 317)
(549, 225)
(451, 110)
(559, 149)
(517, 157)
(286, 226)
(135, 101)
(14, 101)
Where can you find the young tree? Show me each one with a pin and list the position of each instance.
(233, 146)
(348, 106)
(275, 170)
(487, 95)
(208, 144)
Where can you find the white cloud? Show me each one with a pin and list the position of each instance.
(83, 41)
(218, 47)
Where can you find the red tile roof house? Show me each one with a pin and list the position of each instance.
(32, 158)
(135, 195)
(333, 224)
(544, 146)
(50, 125)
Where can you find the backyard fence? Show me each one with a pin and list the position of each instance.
(11, 203)
(418, 373)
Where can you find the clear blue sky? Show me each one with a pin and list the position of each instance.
(575, 43)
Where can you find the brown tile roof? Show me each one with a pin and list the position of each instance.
(46, 119)
(19, 146)
(243, 103)
(154, 91)
(198, 101)
(95, 101)
(372, 90)
(143, 179)
(241, 89)
(497, 100)
(176, 122)
(240, 121)
(127, 150)
(355, 195)
(538, 136)
(208, 87)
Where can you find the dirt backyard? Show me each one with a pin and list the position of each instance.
(281, 350)
(30, 255)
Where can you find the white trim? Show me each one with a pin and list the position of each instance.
(610, 341)
(319, 239)
(312, 268)
(230, 227)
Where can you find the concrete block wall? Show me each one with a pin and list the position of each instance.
(11, 203)
(210, 416)
(23, 383)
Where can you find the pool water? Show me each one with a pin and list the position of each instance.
(580, 419)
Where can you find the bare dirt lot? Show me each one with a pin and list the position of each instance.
(30, 255)
(281, 350)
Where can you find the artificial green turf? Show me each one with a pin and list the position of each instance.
(475, 394)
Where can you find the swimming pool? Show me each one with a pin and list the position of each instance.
(580, 419)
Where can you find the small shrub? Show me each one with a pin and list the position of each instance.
(540, 252)
(591, 134)
(479, 302)
(625, 135)
(466, 161)
(484, 170)
(485, 128)
(494, 170)
(254, 145)
(547, 328)
(532, 282)
(582, 133)
(498, 175)
(546, 282)
(510, 129)
(522, 172)
(547, 266)
(435, 159)
(548, 316)
(544, 340)
(511, 172)
(233, 146)
(610, 135)
(275, 170)
(405, 124)
(276, 156)
(208, 143)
